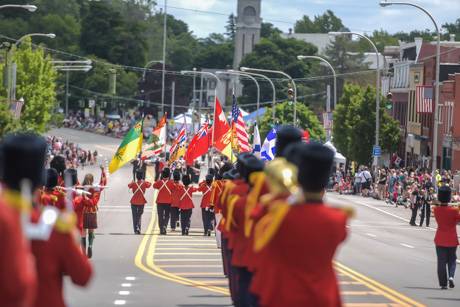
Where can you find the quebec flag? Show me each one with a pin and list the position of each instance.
(269, 147)
(256, 144)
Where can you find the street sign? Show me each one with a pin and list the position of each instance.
(377, 151)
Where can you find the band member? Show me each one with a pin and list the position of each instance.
(446, 238)
(22, 158)
(51, 195)
(90, 206)
(207, 212)
(164, 198)
(186, 203)
(427, 198)
(175, 200)
(290, 231)
(59, 164)
(138, 200)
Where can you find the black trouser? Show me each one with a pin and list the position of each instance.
(223, 249)
(185, 216)
(163, 215)
(414, 209)
(247, 299)
(174, 217)
(447, 257)
(137, 211)
(207, 216)
(426, 213)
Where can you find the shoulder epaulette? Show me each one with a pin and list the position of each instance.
(230, 208)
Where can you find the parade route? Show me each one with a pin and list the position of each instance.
(374, 268)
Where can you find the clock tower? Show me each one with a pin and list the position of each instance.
(248, 24)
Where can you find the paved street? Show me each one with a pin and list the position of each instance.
(384, 262)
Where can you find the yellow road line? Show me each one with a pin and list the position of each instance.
(191, 266)
(378, 287)
(371, 305)
(185, 249)
(188, 244)
(358, 293)
(342, 282)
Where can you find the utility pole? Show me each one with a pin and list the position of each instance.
(163, 75)
(173, 97)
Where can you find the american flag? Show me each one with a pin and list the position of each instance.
(239, 128)
(424, 99)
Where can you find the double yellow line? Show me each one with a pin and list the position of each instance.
(381, 289)
(144, 260)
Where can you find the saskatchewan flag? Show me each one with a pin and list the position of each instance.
(128, 149)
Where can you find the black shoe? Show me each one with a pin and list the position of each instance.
(186, 232)
(444, 288)
(209, 233)
(413, 224)
(90, 252)
(451, 283)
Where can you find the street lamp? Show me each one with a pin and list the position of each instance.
(304, 57)
(11, 91)
(238, 73)
(245, 69)
(30, 8)
(273, 88)
(377, 87)
(148, 65)
(438, 68)
(209, 74)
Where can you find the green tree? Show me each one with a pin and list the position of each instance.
(230, 28)
(36, 83)
(324, 23)
(354, 125)
(284, 114)
(268, 30)
(453, 28)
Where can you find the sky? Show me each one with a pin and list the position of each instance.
(358, 15)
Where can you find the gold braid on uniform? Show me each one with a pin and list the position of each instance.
(257, 180)
(66, 222)
(16, 201)
(230, 208)
(268, 225)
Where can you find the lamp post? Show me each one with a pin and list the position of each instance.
(273, 88)
(11, 91)
(67, 67)
(438, 67)
(30, 8)
(209, 74)
(304, 57)
(239, 73)
(245, 69)
(148, 65)
(377, 88)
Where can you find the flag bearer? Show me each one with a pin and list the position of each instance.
(138, 200)
(207, 212)
(186, 203)
(165, 187)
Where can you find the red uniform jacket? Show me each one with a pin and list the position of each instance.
(297, 276)
(216, 191)
(165, 188)
(239, 241)
(207, 191)
(447, 219)
(17, 272)
(186, 200)
(175, 196)
(53, 198)
(240, 188)
(78, 205)
(90, 205)
(58, 256)
(138, 188)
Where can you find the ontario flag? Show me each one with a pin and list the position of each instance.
(178, 147)
(222, 134)
(199, 145)
(157, 141)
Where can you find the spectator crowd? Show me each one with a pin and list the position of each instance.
(74, 155)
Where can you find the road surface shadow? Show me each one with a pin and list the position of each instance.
(444, 299)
